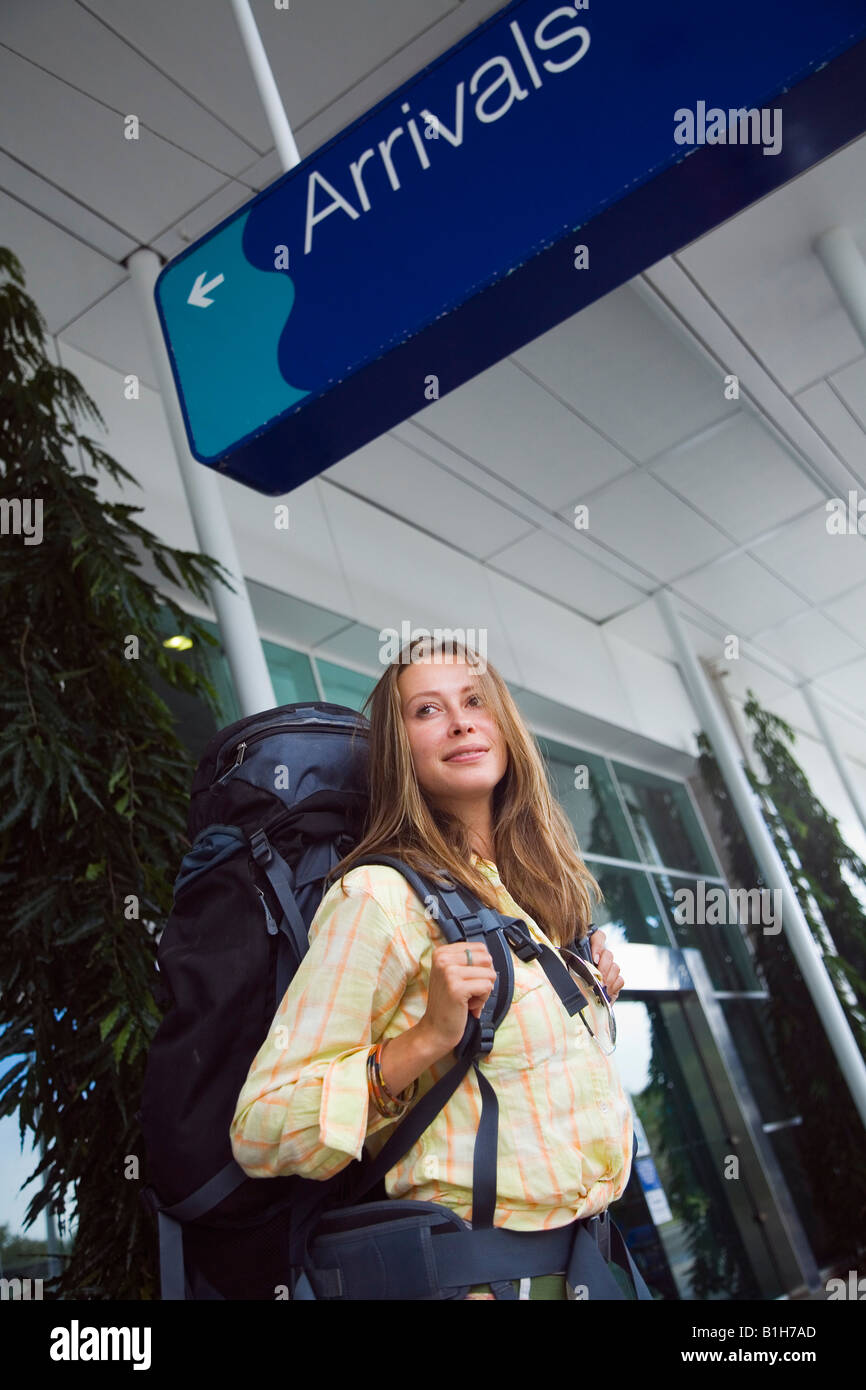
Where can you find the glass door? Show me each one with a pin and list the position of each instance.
(693, 1214)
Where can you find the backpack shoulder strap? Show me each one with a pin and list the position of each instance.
(461, 917)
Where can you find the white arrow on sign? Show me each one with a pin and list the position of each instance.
(198, 295)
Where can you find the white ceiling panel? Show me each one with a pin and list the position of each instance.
(62, 210)
(566, 574)
(395, 573)
(71, 43)
(202, 219)
(401, 481)
(811, 643)
(561, 653)
(848, 683)
(136, 435)
(740, 478)
(745, 673)
(140, 185)
(316, 51)
(817, 564)
(354, 643)
(42, 248)
(624, 374)
(284, 618)
(518, 500)
(850, 383)
(761, 272)
(837, 420)
(649, 527)
(741, 595)
(113, 332)
(305, 549)
(500, 418)
(849, 611)
(850, 733)
(643, 626)
(264, 170)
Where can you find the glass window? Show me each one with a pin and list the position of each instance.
(342, 686)
(629, 911)
(220, 675)
(584, 788)
(291, 674)
(789, 1145)
(747, 1020)
(195, 721)
(710, 924)
(664, 820)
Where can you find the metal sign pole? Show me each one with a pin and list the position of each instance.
(266, 84)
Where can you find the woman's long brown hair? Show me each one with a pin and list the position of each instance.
(535, 847)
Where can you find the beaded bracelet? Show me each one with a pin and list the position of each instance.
(387, 1104)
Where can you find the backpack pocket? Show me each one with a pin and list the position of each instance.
(381, 1250)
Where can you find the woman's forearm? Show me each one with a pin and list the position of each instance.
(405, 1057)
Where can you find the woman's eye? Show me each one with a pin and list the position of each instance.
(472, 699)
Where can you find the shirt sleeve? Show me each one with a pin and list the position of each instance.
(304, 1107)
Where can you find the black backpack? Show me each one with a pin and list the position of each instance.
(277, 801)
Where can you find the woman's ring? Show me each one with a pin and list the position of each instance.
(468, 956)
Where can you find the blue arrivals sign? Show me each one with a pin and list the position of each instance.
(550, 156)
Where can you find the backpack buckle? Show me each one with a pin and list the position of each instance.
(521, 943)
(477, 1041)
(260, 846)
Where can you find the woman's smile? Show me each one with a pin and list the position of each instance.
(468, 755)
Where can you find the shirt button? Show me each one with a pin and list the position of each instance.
(603, 1107)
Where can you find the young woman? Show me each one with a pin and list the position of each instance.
(379, 1002)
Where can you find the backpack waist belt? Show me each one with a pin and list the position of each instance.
(421, 1250)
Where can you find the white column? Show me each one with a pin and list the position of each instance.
(794, 924)
(237, 622)
(836, 754)
(838, 253)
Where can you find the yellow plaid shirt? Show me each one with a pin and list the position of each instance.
(565, 1123)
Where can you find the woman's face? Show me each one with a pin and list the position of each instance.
(445, 717)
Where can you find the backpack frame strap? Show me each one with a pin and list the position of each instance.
(282, 880)
(172, 1271)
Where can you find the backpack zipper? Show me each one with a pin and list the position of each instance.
(241, 748)
(269, 920)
